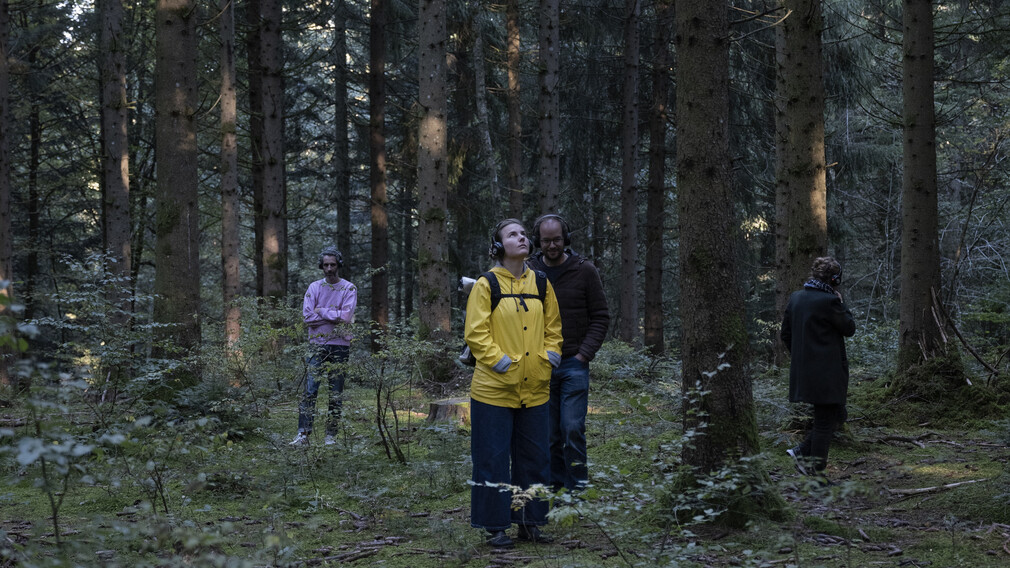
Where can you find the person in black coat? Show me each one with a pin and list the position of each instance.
(814, 329)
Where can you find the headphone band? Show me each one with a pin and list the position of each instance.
(566, 233)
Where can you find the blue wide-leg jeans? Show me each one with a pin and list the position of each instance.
(508, 446)
(326, 361)
(569, 404)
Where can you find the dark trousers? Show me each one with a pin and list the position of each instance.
(508, 447)
(827, 417)
(569, 404)
(326, 362)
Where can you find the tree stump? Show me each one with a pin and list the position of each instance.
(450, 410)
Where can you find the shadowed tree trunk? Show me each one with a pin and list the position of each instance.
(177, 227)
(800, 184)
(432, 179)
(377, 175)
(515, 119)
(33, 266)
(341, 143)
(919, 335)
(254, 63)
(115, 156)
(6, 231)
(629, 327)
(230, 219)
(273, 214)
(655, 216)
(549, 105)
(718, 401)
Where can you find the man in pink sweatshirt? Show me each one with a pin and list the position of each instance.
(328, 309)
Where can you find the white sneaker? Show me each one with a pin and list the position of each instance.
(329, 440)
(797, 459)
(301, 439)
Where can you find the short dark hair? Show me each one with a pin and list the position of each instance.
(565, 233)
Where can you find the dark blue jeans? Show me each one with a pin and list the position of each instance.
(326, 361)
(569, 404)
(827, 417)
(508, 446)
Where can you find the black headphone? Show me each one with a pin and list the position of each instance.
(497, 250)
(331, 251)
(565, 232)
(836, 279)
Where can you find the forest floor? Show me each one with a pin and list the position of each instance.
(204, 495)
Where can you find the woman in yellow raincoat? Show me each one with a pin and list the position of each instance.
(516, 345)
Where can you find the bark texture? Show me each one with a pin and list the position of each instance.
(341, 139)
(549, 104)
(655, 216)
(273, 211)
(629, 326)
(919, 337)
(432, 179)
(377, 176)
(177, 228)
(230, 203)
(515, 119)
(801, 227)
(116, 227)
(717, 387)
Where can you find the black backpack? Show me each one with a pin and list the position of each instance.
(466, 357)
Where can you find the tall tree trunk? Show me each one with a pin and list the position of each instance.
(919, 337)
(254, 57)
(629, 327)
(377, 174)
(230, 204)
(717, 386)
(177, 227)
(341, 142)
(6, 229)
(33, 268)
(655, 216)
(800, 184)
(515, 118)
(116, 224)
(432, 179)
(274, 206)
(550, 105)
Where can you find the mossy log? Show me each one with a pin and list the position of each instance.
(450, 410)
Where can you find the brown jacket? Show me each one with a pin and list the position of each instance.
(584, 313)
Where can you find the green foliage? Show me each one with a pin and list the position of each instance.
(873, 349)
(102, 330)
(12, 334)
(624, 366)
(401, 364)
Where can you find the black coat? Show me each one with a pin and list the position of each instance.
(814, 329)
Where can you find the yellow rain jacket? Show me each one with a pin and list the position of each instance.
(524, 334)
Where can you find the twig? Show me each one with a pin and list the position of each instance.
(907, 440)
(924, 490)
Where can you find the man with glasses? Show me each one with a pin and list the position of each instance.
(584, 322)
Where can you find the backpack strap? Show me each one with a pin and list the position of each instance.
(492, 281)
(541, 285)
(496, 294)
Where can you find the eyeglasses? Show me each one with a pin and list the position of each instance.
(554, 241)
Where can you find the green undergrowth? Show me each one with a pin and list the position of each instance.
(216, 484)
